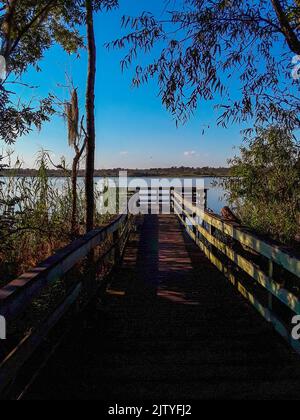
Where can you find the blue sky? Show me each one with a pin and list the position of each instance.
(133, 128)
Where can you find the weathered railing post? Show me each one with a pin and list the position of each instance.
(194, 196)
(172, 189)
(205, 198)
(194, 215)
(224, 255)
(138, 190)
(149, 200)
(195, 230)
(183, 204)
(160, 200)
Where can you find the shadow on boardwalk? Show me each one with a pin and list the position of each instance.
(170, 327)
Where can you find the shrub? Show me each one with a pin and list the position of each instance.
(35, 218)
(265, 185)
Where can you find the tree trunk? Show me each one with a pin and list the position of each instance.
(7, 27)
(74, 223)
(90, 118)
(286, 28)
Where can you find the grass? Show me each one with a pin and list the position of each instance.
(35, 219)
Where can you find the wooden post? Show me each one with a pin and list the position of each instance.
(194, 196)
(209, 229)
(195, 226)
(205, 199)
(160, 200)
(172, 200)
(149, 200)
(138, 190)
(183, 204)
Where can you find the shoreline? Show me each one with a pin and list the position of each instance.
(138, 173)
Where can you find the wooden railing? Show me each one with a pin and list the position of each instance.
(159, 200)
(266, 274)
(17, 296)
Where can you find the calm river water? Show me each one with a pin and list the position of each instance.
(216, 195)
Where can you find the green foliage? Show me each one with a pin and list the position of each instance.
(17, 119)
(35, 213)
(200, 48)
(35, 216)
(265, 184)
(27, 29)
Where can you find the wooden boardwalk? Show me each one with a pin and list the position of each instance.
(170, 327)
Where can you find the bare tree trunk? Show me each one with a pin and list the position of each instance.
(75, 167)
(90, 118)
(74, 223)
(286, 28)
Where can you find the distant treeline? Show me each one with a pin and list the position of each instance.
(173, 172)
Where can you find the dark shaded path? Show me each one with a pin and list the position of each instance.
(170, 327)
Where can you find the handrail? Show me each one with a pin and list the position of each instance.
(273, 252)
(290, 263)
(16, 295)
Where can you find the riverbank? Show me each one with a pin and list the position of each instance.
(181, 172)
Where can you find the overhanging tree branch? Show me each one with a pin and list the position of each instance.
(291, 37)
(7, 25)
(42, 15)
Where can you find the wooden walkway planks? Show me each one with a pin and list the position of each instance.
(170, 327)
